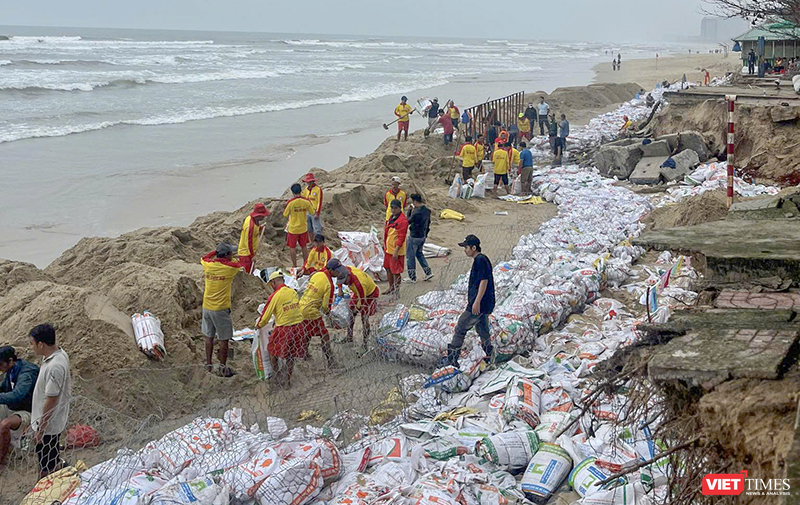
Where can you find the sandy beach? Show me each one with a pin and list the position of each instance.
(648, 72)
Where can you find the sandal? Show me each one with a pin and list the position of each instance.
(225, 371)
(209, 368)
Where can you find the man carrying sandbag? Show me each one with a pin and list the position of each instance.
(249, 238)
(218, 270)
(364, 300)
(287, 341)
(317, 299)
(480, 303)
(16, 398)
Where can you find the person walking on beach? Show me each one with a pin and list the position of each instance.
(564, 131)
(526, 168)
(51, 398)
(16, 399)
(394, 193)
(419, 224)
(250, 236)
(432, 111)
(447, 124)
(317, 300)
(455, 114)
(395, 231)
(297, 210)
(403, 112)
(364, 299)
(313, 193)
(614, 65)
(218, 271)
(501, 160)
(531, 116)
(480, 303)
(286, 341)
(706, 77)
(465, 127)
(543, 110)
(469, 158)
(318, 256)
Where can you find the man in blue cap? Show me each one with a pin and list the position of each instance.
(480, 302)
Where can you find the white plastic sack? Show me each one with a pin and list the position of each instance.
(148, 334)
(479, 191)
(340, 313)
(261, 362)
(516, 186)
(455, 187)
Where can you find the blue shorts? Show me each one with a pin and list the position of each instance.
(314, 224)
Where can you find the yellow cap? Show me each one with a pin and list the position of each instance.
(521, 114)
(274, 275)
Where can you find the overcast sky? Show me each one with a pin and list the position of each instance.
(600, 20)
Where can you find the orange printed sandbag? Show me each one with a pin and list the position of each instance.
(56, 487)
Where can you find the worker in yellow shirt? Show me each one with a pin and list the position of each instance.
(365, 296)
(402, 112)
(394, 193)
(313, 193)
(286, 341)
(317, 300)
(524, 126)
(626, 127)
(501, 160)
(469, 157)
(218, 273)
(318, 256)
(514, 159)
(297, 209)
(250, 236)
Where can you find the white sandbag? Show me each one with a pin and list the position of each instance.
(341, 314)
(585, 476)
(202, 491)
(479, 190)
(546, 471)
(551, 423)
(261, 362)
(510, 451)
(516, 186)
(148, 334)
(522, 401)
(455, 187)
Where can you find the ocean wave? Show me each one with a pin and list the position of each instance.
(5, 62)
(68, 42)
(177, 117)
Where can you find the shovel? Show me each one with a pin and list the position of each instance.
(386, 125)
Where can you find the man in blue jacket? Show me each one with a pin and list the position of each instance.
(16, 396)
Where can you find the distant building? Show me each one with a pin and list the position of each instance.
(782, 39)
(721, 29)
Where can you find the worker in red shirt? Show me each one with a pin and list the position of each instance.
(447, 124)
(394, 246)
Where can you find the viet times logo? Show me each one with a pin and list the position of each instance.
(738, 483)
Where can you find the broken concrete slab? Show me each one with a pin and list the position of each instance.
(647, 171)
(770, 207)
(734, 250)
(617, 161)
(656, 148)
(783, 114)
(685, 162)
(703, 317)
(711, 356)
(693, 140)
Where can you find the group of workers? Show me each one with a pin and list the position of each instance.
(297, 318)
(35, 400)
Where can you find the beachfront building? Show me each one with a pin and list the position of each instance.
(782, 39)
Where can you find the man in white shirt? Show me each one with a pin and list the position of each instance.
(51, 398)
(544, 110)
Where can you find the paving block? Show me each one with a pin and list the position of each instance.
(711, 356)
(732, 299)
(617, 161)
(647, 171)
(685, 161)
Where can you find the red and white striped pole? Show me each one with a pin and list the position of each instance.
(731, 99)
